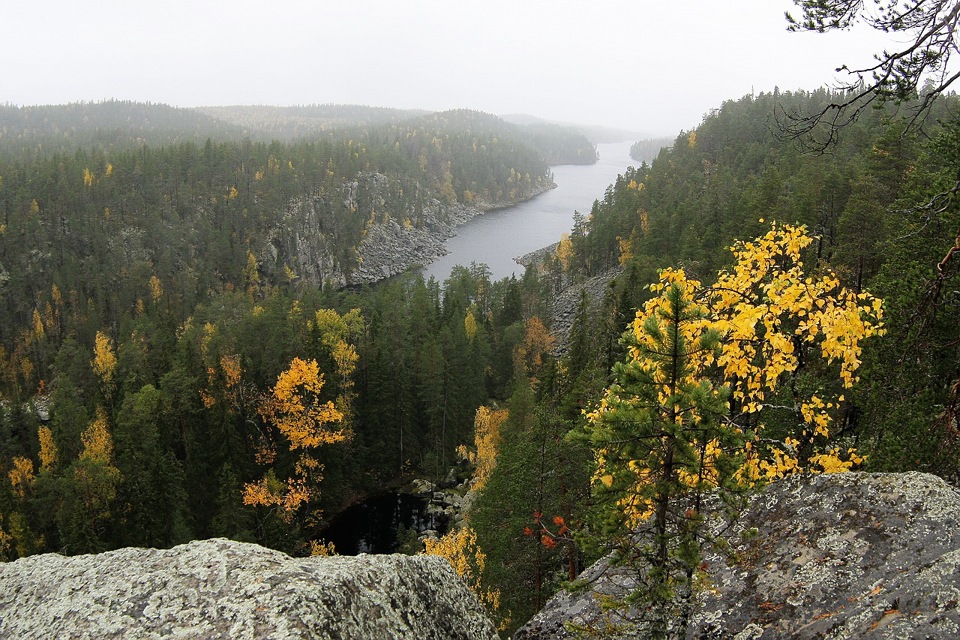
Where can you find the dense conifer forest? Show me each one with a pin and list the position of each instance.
(162, 381)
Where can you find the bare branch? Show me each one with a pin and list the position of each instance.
(897, 76)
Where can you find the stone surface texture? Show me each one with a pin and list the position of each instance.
(224, 589)
(835, 556)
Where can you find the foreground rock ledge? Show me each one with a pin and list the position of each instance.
(852, 555)
(225, 589)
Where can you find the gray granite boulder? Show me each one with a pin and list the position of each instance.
(832, 556)
(225, 589)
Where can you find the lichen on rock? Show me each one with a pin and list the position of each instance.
(850, 555)
(225, 589)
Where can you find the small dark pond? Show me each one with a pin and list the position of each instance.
(381, 524)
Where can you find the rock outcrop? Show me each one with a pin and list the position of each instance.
(225, 589)
(390, 248)
(372, 228)
(565, 305)
(832, 556)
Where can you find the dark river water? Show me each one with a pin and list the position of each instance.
(500, 236)
(380, 523)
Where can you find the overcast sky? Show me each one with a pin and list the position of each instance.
(650, 66)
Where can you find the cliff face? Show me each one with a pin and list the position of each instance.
(832, 556)
(374, 228)
(225, 589)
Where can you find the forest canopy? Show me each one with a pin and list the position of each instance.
(169, 372)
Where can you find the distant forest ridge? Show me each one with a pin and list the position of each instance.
(122, 124)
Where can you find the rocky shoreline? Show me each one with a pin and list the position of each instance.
(536, 257)
(389, 248)
(314, 244)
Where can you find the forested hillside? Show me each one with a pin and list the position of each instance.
(35, 131)
(871, 205)
(151, 302)
(169, 371)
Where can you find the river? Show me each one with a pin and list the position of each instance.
(498, 237)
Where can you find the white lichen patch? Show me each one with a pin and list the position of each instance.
(221, 588)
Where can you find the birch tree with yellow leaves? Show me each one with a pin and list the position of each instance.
(295, 412)
(706, 369)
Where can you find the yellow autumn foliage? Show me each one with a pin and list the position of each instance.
(470, 324)
(48, 449)
(38, 330)
(296, 410)
(156, 289)
(487, 423)
(459, 547)
(770, 318)
(21, 476)
(565, 251)
(104, 358)
(322, 549)
(96, 439)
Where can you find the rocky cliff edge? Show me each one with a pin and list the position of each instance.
(225, 589)
(836, 556)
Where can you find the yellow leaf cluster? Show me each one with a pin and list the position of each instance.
(832, 462)
(487, 423)
(38, 330)
(96, 439)
(48, 449)
(209, 331)
(565, 251)
(21, 476)
(294, 407)
(322, 549)
(156, 289)
(336, 330)
(770, 317)
(459, 547)
(644, 222)
(104, 359)
(345, 356)
(296, 410)
(470, 324)
(289, 495)
(260, 494)
(767, 306)
(230, 365)
(338, 334)
(626, 250)
(777, 463)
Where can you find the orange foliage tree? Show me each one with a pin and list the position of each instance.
(296, 411)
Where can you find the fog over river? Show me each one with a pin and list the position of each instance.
(500, 236)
